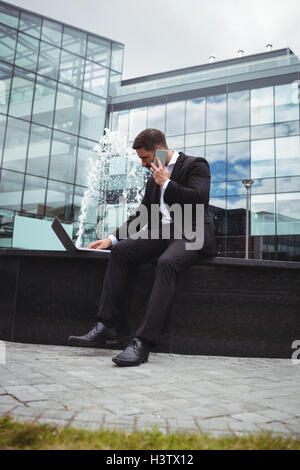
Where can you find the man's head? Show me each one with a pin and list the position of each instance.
(146, 143)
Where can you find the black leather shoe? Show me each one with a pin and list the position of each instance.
(135, 353)
(97, 336)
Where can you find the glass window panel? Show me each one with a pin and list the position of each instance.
(215, 137)
(51, 32)
(195, 151)
(39, 151)
(11, 188)
(287, 156)
(262, 105)
(286, 105)
(263, 186)
(44, 101)
(67, 110)
(85, 155)
(157, 117)
(216, 112)
(176, 142)
(30, 24)
(175, 118)
(21, 94)
(262, 132)
(238, 166)
(93, 115)
(9, 16)
(235, 215)
(74, 41)
(235, 188)
(195, 115)
(8, 40)
(5, 81)
(59, 200)
(48, 63)
(137, 122)
(34, 195)
(114, 83)
(71, 69)
(63, 157)
(284, 129)
(288, 214)
(238, 134)
(27, 52)
(6, 227)
(262, 158)
(285, 185)
(218, 189)
(216, 157)
(117, 57)
(263, 214)
(238, 109)
(2, 132)
(16, 142)
(120, 121)
(98, 50)
(95, 79)
(193, 140)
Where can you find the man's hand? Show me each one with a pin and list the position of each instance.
(100, 244)
(160, 174)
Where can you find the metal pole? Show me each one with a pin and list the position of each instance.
(247, 225)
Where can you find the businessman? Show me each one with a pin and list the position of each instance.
(185, 181)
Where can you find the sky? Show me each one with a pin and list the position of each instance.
(163, 35)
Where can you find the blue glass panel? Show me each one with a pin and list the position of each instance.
(11, 188)
(48, 63)
(262, 132)
(9, 16)
(262, 158)
(16, 142)
(285, 185)
(98, 50)
(27, 52)
(157, 117)
(85, 154)
(238, 109)
(93, 115)
(21, 94)
(30, 24)
(74, 41)
(5, 82)
(51, 32)
(137, 122)
(215, 137)
(195, 140)
(195, 151)
(216, 112)
(63, 157)
(288, 213)
(216, 157)
(175, 118)
(195, 115)
(262, 105)
(67, 110)
(95, 79)
(238, 161)
(34, 195)
(238, 134)
(44, 101)
(263, 214)
(117, 57)
(39, 151)
(71, 69)
(2, 132)
(120, 121)
(59, 200)
(288, 156)
(286, 103)
(8, 40)
(284, 129)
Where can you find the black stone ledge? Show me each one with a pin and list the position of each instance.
(215, 261)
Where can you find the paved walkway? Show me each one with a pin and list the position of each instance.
(83, 388)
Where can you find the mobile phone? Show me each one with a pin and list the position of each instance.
(162, 155)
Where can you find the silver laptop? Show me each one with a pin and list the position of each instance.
(67, 241)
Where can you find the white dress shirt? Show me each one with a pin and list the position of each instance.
(166, 218)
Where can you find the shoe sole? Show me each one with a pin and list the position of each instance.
(91, 344)
(128, 364)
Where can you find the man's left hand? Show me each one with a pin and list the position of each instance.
(160, 174)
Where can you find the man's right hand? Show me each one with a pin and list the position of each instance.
(100, 244)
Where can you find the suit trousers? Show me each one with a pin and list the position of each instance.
(128, 254)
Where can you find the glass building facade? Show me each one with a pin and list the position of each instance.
(60, 86)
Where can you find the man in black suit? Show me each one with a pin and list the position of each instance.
(184, 181)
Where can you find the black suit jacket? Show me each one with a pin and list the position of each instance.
(190, 184)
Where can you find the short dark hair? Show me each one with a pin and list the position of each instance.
(149, 138)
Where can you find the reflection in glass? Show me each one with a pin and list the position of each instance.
(9, 16)
(286, 105)
(137, 122)
(195, 115)
(263, 186)
(92, 116)
(51, 32)
(63, 157)
(71, 69)
(262, 132)
(6, 227)
(114, 83)
(120, 121)
(195, 151)
(27, 52)
(98, 50)
(193, 140)
(48, 63)
(238, 134)
(8, 38)
(21, 94)
(59, 200)
(262, 105)
(262, 158)
(117, 53)
(216, 112)
(175, 118)
(289, 184)
(218, 189)
(34, 195)
(283, 129)
(85, 153)
(263, 214)
(238, 166)
(16, 142)
(74, 41)
(95, 79)
(11, 187)
(288, 156)
(2, 132)
(216, 157)
(235, 188)
(236, 215)
(215, 137)
(238, 109)
(67, 109)
(288, 213)
(39, 151)
(175, 142)
(157, 117)
(91, 216)
(44, 101)
(30, 24)
(5, 81)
